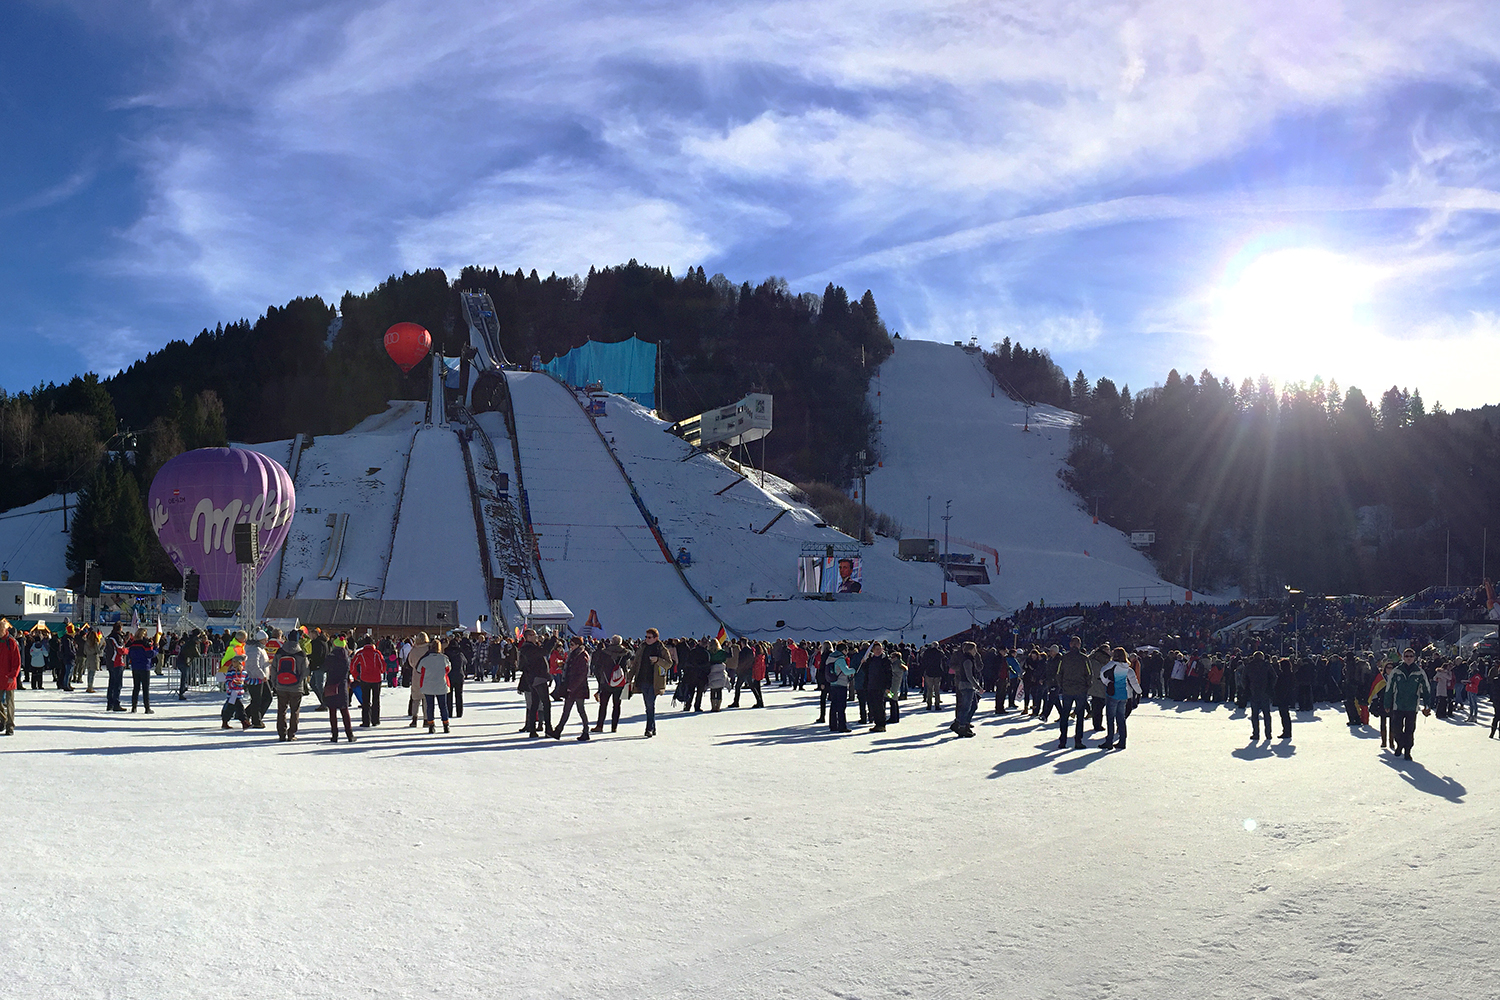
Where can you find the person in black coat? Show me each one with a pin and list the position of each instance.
(1259, 678)
(535, 679)
(460, 654)
(1284, 694)
(877, 667)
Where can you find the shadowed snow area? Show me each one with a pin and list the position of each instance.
(745, 854)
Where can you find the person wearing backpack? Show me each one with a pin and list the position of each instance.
(609, 662)
(114, 662)
(840, 676)
(1120, 686)
(290, 676)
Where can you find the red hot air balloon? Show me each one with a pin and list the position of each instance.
(407, 344)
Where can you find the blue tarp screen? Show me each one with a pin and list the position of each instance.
(627, 368)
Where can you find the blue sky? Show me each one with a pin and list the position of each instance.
(1293, 189)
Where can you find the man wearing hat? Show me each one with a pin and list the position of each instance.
(257, 679)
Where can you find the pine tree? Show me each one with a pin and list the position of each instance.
(110, 526)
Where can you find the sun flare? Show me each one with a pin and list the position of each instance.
(1292, 314)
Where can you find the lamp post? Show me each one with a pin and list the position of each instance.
(946, 518)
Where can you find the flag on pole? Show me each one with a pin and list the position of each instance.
(518, 633)
(722, 634)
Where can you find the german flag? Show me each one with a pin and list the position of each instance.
(722, 634)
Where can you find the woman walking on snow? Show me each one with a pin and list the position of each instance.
(649, 675)
(575, 689)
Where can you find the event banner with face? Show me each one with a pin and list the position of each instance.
(829, 574)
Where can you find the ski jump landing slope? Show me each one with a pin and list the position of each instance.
(941, 434)
(598, 553)
(435, 554)
(745, 540)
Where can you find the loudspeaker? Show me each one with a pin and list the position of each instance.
(190, 587)
(246, 544)
(91, 582)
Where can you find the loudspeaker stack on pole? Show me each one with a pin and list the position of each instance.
(247, 554)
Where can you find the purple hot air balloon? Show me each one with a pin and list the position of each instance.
(198, 497)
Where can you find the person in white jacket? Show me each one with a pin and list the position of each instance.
(1120, 687)
(430, 679)
(257, 679)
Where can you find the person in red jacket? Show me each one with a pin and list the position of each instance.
(368, 667)
(10, 672)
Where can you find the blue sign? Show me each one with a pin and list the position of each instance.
(124, 587)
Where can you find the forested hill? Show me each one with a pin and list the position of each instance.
(1305, 487)
(310, 367)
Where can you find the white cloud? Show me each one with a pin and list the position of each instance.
(309, 147)
(553, 221)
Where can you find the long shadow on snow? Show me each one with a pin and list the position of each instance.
(1064, 761)
(1423, 780)
(804, 733)
(1257, 751)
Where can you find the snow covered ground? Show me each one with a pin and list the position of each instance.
(943, 436)
(747, 854)
(435, 555)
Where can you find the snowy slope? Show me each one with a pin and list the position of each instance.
(334, 477)
(739, 856)
(33, 545)
(717, 515)
(435, 555)
(941, 434)
(598, 554)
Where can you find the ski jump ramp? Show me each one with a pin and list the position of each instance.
(597, 551)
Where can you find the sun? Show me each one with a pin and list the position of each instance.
(1292, 314)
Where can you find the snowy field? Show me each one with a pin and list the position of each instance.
(741, 855)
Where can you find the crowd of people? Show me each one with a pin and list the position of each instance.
(1098, 685)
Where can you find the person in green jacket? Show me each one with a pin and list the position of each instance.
(1405, 689)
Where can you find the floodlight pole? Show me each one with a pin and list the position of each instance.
(946, 518)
